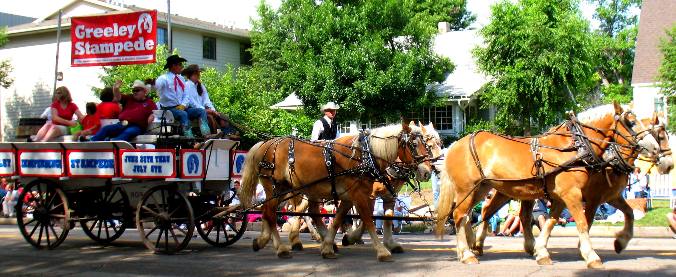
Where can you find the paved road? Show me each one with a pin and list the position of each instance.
(424, 256)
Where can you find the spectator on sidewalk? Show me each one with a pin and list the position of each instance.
(512, 222)
(10, 201)
(637, 184)
(540, 214)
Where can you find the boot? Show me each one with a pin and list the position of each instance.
(204, 128)
(188, 133)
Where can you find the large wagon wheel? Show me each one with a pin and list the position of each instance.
(107, 215)
(222, 224)
(42, 214)
(164, 219)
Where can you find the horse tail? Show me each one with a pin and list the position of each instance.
(445, 201)
(250, 176)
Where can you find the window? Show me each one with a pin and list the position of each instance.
(441, 117)
(162, 36)
(209, 48)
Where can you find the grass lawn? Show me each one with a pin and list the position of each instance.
(655, 217)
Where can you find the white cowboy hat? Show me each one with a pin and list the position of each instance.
(330, 106)
(140, 84)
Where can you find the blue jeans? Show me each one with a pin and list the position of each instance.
(117, 131)
(436, 184)
(190, 113)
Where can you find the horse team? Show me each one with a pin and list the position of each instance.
(579, 164)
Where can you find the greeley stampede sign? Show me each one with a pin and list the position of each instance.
(115, 39)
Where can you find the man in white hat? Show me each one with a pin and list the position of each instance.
(325, 128)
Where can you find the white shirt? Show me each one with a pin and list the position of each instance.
(47, 114)
(637, 183)
(194, 99)
(171, 95)
(318, 128)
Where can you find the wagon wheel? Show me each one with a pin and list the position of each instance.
(43, 218)
(106, 221)
(165, 220)
(222, 225)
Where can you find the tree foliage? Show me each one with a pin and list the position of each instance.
(5, 66)
(373, 57)
(667, 69)
(541, 55)
(616, 39)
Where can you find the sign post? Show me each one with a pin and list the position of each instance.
(117, 39)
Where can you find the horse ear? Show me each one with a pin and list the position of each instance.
(406, 127)
(411, 124)
(618, 107)
(420, 123)
(656, 120)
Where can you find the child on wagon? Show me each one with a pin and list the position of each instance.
(91, 123)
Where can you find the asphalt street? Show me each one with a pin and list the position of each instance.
(424, 256)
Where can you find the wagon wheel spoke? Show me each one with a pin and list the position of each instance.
(54, 231)
(107, 232)
(166, 240)
(151, 231)
(100, 223)
(40, 235)
(182, 204)
(29, 222)
(178, 227)
(218, 233)
(159, 237)
(57, 215)
(150, 210)
(34, 228)
(93, 225)
(158, 205)
(55, 207)
(211, 228)
(173, 235)
(179, 219)
(49, 243)
(49, 203)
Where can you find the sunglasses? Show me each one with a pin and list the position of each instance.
(137, 89)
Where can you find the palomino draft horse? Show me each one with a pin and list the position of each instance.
(604, 186)
(551, 166)
(343, 169)
(397, 177)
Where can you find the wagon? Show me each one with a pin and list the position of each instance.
(107, 187)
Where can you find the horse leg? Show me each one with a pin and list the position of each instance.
(526, 222)
(494, 204)
(365, 208)
(270, 221)
(354, 236)
(622, 237)
(328, 246)
(541, 254)
(300, 205)
(573, 200)
(388, 240)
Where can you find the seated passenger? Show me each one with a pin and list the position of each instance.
(136, 115)
(171, 88)
(91, 123)
(198, 97)
(109, 108)
(63, 110)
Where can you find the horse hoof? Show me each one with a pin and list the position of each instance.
(470, 260)
(329, 256)
(618, 246)
(346, 240)
(386, 258)
(530, 251)
(359, 241)
(595, 264)
(545, 261)
(297, 247)
(397, 249)
(255, 246)
(284, 255)
(478, 251)
(335, 248)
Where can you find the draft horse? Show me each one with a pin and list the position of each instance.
(605, 185)
(554, 166)
(343, 169)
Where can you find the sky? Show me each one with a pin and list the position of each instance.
(236, 13)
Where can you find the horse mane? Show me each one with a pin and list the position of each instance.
(598, 112)
(384, 141)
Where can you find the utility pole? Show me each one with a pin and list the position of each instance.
(58, 41)
(171, 48)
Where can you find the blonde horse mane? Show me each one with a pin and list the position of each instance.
(384, 140)
(598, 113)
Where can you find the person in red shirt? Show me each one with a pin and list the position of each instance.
(109, 108)
(91, 123)
(63, 110)
(136, 115)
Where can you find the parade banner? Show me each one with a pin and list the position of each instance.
(192, 163)
(116, 39)
(90, 163)
(238, 163)
(151, 163)
(7, 167)
(41, 163)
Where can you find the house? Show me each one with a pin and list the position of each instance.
(657, 16)
(32, 52)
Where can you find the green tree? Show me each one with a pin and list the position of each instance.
(5, 65)
(667, 69)
(452, 11)
(541, 55)
(373, 57)
(616, 39)
(129, 73)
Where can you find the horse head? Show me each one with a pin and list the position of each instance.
(662, 156)
(432, 140)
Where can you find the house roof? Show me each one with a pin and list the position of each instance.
(466, 79)
(49, 22)
(657, 16)
(291, 103)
